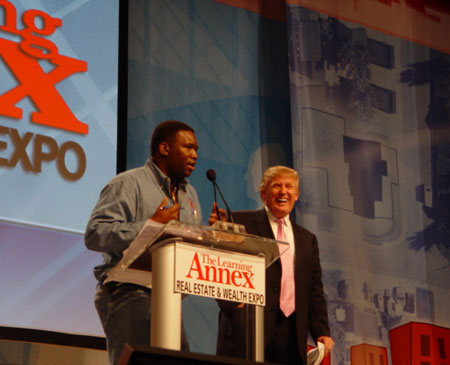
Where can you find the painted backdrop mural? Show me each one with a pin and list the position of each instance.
(370, 129)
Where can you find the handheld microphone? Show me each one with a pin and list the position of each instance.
(211, 175)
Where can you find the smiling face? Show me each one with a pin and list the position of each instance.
(180, 155)
(280, 195)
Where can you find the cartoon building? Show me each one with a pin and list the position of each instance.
(366, 354)
(417, 343)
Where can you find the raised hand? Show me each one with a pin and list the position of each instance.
(213, 216)
(166, 213)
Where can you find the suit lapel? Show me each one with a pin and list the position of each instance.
(262, 224)
(297, 234)
(302, 251)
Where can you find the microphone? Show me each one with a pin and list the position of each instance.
(211, 175)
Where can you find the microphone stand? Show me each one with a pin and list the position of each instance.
(224, 201)
(215, 200)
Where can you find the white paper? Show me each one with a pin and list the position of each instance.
(316, 355)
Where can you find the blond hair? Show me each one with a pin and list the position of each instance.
(273, 172)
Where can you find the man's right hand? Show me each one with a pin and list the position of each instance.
(164, 213)
(213, 216)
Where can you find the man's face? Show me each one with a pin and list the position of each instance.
(182, 155)
(280, 195)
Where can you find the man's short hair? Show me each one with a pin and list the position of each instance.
(275, 171)
(165, 131)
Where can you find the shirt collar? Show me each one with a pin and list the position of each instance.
(162, 178)
(272, 218)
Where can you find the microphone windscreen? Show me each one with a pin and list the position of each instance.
(211, 175)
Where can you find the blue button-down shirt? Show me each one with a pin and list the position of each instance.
(125, 203)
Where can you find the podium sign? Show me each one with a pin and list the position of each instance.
(219, 274)
(135, 267)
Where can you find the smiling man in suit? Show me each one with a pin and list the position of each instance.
(295, 302)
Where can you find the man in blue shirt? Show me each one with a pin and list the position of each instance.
(159, 191)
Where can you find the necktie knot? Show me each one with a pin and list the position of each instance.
(280, 231)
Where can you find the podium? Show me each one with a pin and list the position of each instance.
(221, 262)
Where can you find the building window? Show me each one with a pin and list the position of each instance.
(383, 99)
(441, 348)
(380, 54)
(425, 345)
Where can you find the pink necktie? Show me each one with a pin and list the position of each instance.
(287, 293)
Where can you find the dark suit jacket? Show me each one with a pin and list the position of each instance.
(311, 311)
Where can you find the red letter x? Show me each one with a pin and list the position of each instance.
(248, 276)
(40, 87)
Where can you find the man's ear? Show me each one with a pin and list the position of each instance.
(262, 194)
(298, 194)
(164, 148)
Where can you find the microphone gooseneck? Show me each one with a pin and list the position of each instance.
(211, 175)
(225, 202)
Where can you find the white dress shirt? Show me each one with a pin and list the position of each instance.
(287, 227)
